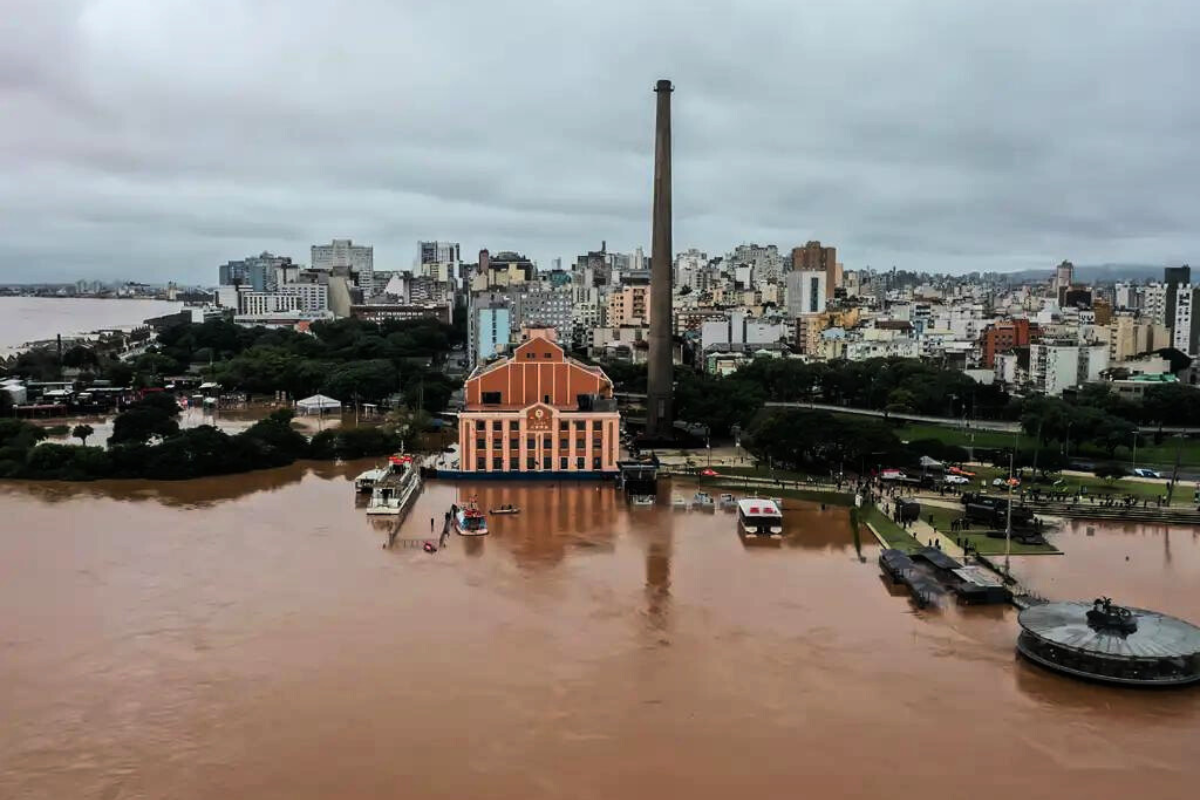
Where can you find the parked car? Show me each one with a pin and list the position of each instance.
(1143, 472)
(1004, 482)
(957, 479)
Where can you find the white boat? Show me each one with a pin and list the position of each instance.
(759, 517)
(728, 502)
(642, 500)
(679, 504)
(395, 490)
(365, 482)
(702, 501)
(470, 521)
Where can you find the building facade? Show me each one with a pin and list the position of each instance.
(538, 412)
(1186, 328)
(1055, 366)
(490, 331)
(359, 260)
(545, 308)
(629, 305)
(807, 291)
(1004, 336)
(814, 257)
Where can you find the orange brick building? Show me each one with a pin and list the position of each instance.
(1000, 337)
(538, 412)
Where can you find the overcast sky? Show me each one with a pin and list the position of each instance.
(150, 139)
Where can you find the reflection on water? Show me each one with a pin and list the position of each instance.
(198, 493)
(247, 636)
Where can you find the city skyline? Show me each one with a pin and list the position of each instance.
(921, 135)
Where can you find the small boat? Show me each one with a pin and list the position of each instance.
(679, 504)
(643, 500)
(702, 501)
(727, 502)
(365, 482)
(470, 521)
(504, 510)
(759, 517)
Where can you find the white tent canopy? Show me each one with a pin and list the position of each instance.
(318, 404)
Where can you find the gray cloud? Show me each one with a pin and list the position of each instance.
(149, 137)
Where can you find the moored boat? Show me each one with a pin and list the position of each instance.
(702, 501)
(394, 491)
(365, 482)
(759, 517)
(679, 504)
(728, 502)
(642, 500)
(470, 521)
(504, 510)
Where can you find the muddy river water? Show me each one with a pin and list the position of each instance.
(248, 637)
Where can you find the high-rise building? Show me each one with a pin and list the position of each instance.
(807, 291)
(343, 254)
(491, 330)
(438, 253)
(1154, 305)
(1128, 338)
(1185, 331)
(764, 261)
(1003, 336)
(545, 308)
(1055, 366)
(1127, 297)
(629, 305)
(1173, 278)
(813, 257)
(689, 268)
(440, 260)
(1064, 275)
(262, 273)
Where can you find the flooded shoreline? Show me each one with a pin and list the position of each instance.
(247, 635)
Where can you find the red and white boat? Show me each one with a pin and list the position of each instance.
(759, 517)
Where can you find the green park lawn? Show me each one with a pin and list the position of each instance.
(895, 536)
(1148, 453)
(1096, 487)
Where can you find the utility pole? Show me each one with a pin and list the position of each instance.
(1135, 435)
(1037, 447)
(1175, 471)
(1008, 522)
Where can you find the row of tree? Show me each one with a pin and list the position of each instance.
(348, 359)
(148, 443)
(1096, 417)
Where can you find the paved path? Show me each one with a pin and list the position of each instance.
(924, 533)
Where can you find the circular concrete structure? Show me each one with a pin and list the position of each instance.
(1104, 642)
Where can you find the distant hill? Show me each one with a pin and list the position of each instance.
(1098, 273)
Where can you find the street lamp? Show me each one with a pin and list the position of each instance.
(1135, 435)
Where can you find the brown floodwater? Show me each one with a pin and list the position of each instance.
(248, 637)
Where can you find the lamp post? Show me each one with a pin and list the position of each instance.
(1135, 435)
(1008, 522)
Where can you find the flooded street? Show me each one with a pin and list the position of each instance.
(247, 636)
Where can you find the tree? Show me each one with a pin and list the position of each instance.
(278, 439)
(370, 381)
(82, 432)
(80, 356)
(140, 424)
(118, 373)
(1110, 472)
